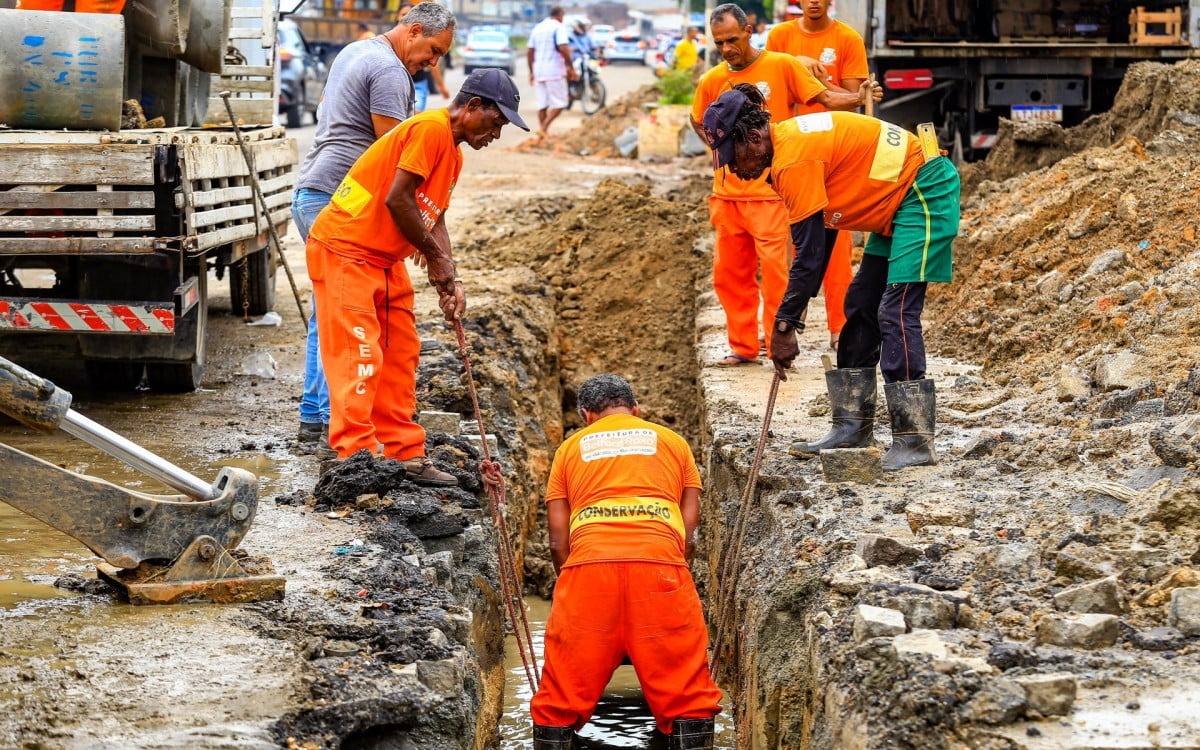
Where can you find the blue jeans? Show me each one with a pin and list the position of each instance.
(422, 89)
(314, 404)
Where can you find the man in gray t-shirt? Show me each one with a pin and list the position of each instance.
(369, 91)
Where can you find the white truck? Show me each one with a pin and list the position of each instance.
(108, 230)
(966, 63)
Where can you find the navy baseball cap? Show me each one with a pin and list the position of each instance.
(494, 84)
(719, 120)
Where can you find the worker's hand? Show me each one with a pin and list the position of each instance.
(572, 74)
(783, 350)
(444, 91)
(815, 67)
(531, 75)
(419, 261)
(453, 301)
(870, 89)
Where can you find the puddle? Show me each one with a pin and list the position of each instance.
(622, 718)
(1120, 717)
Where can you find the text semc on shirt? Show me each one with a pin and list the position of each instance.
(357, 223)
(623, 478)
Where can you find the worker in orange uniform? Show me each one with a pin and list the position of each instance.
(623, 505)
(836, 54)
(841, 170)
(391, 207)
(750, 221)
(79, 6)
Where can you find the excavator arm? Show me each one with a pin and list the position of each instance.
(158, 549)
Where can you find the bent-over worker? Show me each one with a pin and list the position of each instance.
(840, 170)
(623, 505)
(390, 207)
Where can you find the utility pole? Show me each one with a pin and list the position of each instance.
(709, 49)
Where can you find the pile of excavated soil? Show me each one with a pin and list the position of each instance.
(1058, 269)
(594, 137)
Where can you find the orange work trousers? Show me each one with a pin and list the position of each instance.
(81, 6)
(605, 611)
(369, 349)
(837, 281)
(752, 242)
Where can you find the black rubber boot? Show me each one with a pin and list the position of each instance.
(552, 738)
(852, 394)
(911, 406)
(691, 734)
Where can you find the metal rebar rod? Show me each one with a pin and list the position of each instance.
(101, 437)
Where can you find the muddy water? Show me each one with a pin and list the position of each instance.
(622, 719)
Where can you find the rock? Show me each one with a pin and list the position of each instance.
(1178, 506)
(920, 642)
(940, 582)
(1160, 593)
(1172, 448)
(1016, 561)
(928, 611)
(1114, 371)
(1148, 411)
(1107, 261)
(1049, 284)
(1103, 597)
(1069, 565)
(878, 550)
(443, 676)
(1079, 631)
(1158, 639)
(443, 564)
(984, 444)
(860, 465)
(1184, 614)
(1049, 694)
(1008, 654)
(922, 513)
(999, 701)
(850, 582)
(1143, 564)
(876, 622)
(448, 422)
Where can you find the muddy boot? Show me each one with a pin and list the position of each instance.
(911, 406)
(420, 470)
(852, 395)
(323, 450)
(552, 738)
(691, 734)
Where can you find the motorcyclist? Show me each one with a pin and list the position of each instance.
(583, 47)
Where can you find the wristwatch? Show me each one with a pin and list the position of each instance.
(785, 327)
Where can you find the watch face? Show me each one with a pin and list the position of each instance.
(783, 326)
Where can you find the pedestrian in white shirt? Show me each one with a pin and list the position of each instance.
(550, 68)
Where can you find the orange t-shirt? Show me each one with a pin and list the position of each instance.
(357, 223)
(784, 82)
(855, 168)
(626, 467)
(839, 48)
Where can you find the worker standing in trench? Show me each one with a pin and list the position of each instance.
(837, 56)
(391, 207)
(749, 219)
(623, 505)
(839, 170)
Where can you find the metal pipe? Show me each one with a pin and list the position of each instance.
(101, 437)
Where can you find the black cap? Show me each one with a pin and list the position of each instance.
(719, 120)
(494, 84)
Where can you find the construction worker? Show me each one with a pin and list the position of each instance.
(391, 207)
(841, 170)
(369, 92)
(836, 54)
(749, 219)
(687, 53)
(623, 505)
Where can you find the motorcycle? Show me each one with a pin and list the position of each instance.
(587, 88)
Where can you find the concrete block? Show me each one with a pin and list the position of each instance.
(493, 444)
(849, 582)
(449, 422)
(1049, 694)
(1078, 631)
(1103, 597)
(929, 611)
(883, 550)
(920, 642)
(874, 622)
(1184, 614)
(922, 513)
(1016, 561)
(1114, 372)
(861, 465)
(1070, 384)
(999, 701)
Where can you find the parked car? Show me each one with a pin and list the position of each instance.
(488, 48)
(601, 33)
(628, 46)
(302, 75)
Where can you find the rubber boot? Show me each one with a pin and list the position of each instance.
(691, 734)
(852, 394)
(552, 738)
(911, 406)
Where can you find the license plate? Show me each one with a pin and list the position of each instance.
(1036, 113)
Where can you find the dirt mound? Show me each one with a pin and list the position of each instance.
(595, 136)
(1094, 254)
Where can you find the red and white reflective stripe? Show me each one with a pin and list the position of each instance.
(983, 140)
(56, 315)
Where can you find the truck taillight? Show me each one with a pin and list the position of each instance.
(920, 78)
(468, 48)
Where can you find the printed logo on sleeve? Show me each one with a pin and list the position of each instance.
(351, 197)
(634, 442)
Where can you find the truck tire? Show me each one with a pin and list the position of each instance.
(258, 280)
(186, 374)
(105, 375)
